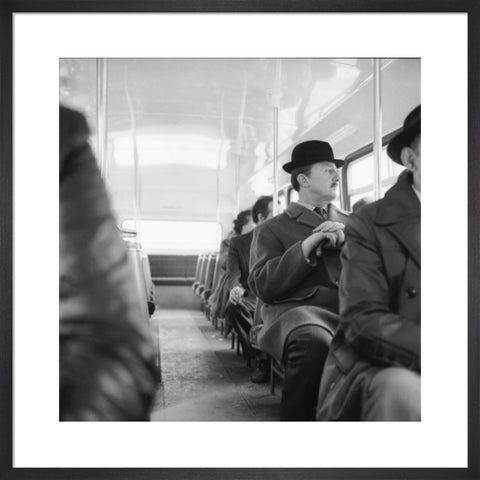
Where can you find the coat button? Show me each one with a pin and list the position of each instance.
(411, 292)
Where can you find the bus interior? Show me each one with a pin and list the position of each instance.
(183, 145)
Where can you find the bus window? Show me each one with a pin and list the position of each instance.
(282, 202)
(292, 196)
(360, 180)
(162, 236)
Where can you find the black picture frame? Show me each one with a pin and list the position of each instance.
(8, 7)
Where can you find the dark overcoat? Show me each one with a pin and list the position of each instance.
(379, 299)
(219, 298)
(283, 279)
(238, 266)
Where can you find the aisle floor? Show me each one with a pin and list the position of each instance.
(203, 379)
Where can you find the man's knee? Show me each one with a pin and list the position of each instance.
(309, 342)
(393, 394)
(306, 351)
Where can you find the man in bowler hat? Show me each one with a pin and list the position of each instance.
(294, 271)
(373, 370)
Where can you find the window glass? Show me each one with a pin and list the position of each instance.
(282, 202)
(293, 196)
(360, 176)
(162, 236)
(360, 172)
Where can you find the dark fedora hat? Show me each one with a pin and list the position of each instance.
(312, 151)
(410, 130)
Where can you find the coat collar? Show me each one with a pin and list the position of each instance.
(399, 212)
(307, 217)
(399, 204)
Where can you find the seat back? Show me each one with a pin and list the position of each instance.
(198, 271)
(212, 259)
(201, 276)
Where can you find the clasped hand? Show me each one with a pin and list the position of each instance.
(332, 231)
(327, 234)
(236, 293)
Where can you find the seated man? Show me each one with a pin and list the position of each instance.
(219, 298)
(294, 270)
(373, 370)
(241, 309)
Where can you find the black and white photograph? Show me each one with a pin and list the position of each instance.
(246, 308)
(219, 217)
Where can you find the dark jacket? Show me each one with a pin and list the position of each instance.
(219, 298)
(282, 279)
(379, 301)
(238, 261)
(238, 266)
(380, 282)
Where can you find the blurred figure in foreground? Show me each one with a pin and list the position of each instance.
(107, 367)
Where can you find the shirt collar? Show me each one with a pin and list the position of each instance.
(417, 192)
(306, 205)
(311, 207)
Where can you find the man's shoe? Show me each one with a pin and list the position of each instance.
(261, 373)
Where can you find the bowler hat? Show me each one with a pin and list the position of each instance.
(410, 131)
(312, 151)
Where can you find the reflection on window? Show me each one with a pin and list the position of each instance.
(161, 236)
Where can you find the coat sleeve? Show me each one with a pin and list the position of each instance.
(370, 326)
(233, 267)
(275, 273)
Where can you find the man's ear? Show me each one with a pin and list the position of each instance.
(302, 180)
(406, 156)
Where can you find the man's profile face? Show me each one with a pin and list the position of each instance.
(324, 180)
(417, 159)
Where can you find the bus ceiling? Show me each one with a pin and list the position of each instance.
(226, 125)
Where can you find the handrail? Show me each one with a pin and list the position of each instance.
(101, 113)
(377, 125)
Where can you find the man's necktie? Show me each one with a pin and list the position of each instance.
(321, 212)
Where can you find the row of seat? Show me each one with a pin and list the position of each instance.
(207, 277)
(144, 284)
(208, 273)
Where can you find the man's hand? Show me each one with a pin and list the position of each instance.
(236, 293)
(327, 234)
(333, 231)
